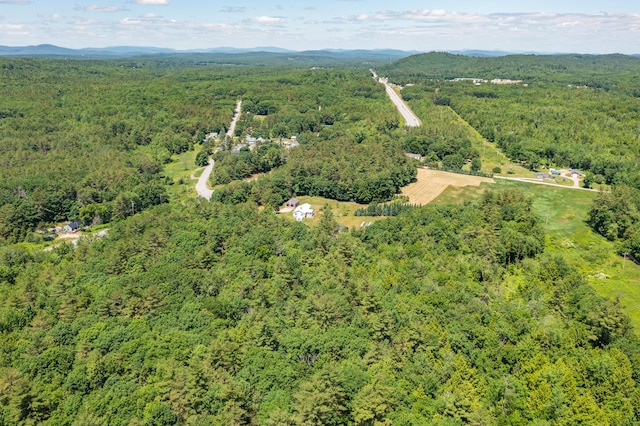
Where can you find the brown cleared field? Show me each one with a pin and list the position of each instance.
(432, 183)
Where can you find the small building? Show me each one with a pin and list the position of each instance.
(303, 211)
(294, 202)
(575, 172)
(542, 176)
(414, 156)
(72, 227)
(237, 148)
(505, 81)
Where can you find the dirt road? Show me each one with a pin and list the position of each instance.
(538, 182)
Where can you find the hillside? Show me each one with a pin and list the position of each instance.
(564, 69)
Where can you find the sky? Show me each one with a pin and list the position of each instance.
(544, 26)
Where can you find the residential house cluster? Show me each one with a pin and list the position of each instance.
(300, 211)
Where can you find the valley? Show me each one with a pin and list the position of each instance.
(446, 286)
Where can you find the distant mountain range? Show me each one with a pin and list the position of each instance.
(50, 50)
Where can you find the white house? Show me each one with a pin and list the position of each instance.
(302, 211)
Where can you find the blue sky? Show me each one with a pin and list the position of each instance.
(583, 26)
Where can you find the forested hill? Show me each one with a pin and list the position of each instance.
(569, 69)
(210, 314)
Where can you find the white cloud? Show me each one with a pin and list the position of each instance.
(538, 31)
(310, 28)
(149, 19)
(151, 2)
(14, 30)
(52, 17)
(233, 9)
(266, 20)
(99, 8)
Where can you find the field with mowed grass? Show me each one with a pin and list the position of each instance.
(343, 211)
(430, 184)
(564, 212)
(180, 171)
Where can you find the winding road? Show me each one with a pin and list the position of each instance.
(202, 187)
(410, 119)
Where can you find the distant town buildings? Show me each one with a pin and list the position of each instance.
(479, 81)
(476, 81)
(505, 81)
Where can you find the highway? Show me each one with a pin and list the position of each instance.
(410, 119)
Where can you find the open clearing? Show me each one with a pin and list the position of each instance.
(343, 211)
(431, 183)
(563, 212)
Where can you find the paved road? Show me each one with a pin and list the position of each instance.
(234, 120)
(202, 187)
(411, 120)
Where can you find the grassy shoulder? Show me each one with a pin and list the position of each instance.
(564, 212)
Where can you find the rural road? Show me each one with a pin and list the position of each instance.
(202, 187)
(234, 120)
(409, 117)
(545, 183)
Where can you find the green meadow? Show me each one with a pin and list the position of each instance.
(564, 212)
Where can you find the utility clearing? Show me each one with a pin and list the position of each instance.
(431, 183)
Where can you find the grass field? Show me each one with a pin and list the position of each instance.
(490, 155)
(180, 171)
(564, 212)
(431, 183)
(342, 210)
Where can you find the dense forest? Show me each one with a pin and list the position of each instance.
(87, 140)
(339, 169)
(217, 314)
(188, 311)
(616, 216)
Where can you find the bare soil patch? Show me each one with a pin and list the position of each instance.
(432, 183)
